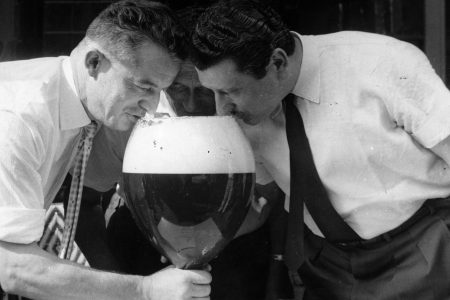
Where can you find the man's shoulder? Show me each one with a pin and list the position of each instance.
(30, 88)
(355, 49)
(355, 39)
(33, 76)
(32, 73)
(37, 69)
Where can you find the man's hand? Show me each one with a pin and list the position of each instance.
(174, 284)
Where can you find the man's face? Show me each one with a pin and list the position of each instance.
(122, 92)
(188, 96)
(240, 94)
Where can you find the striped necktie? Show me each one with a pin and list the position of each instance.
(76, 189)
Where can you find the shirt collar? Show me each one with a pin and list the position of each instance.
(307, 86)
(71, 111)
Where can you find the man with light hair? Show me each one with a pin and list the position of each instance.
(50, 109)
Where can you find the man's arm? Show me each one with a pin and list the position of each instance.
(29, 271)
(417, 99)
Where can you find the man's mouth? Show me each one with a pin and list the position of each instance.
(246, 118)
(138, 113)
(134, 117)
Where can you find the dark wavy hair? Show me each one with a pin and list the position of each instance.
(125, 25)
(244, 31)
(189, 16)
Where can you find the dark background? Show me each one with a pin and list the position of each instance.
(33, 28)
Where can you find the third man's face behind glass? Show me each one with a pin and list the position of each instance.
(188, 97)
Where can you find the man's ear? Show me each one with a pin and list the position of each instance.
(279, 60)
(93, 60)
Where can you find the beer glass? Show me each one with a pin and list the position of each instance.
(188, 183)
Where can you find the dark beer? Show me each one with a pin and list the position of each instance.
(189, 217)
(189, 183)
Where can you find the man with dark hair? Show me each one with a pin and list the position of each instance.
(50, 109)
(355, 126)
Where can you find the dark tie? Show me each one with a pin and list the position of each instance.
(306, 187)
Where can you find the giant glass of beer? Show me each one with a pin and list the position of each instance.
(188, 183)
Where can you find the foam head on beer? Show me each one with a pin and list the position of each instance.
(188, 145)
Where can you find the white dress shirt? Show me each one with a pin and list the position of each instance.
(372, 107)
(41, 118)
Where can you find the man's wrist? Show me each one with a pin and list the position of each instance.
(141, 288)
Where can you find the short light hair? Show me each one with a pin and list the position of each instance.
(125, 25)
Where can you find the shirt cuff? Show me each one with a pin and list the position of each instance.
(436, 127)
(432, 132)
(21, 225)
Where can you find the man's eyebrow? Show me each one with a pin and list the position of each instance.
(146, 82)
(177, 84)
(233, 89)
(228, 90)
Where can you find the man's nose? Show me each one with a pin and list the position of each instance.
(224, 106)
(189, 103)
(149, 104)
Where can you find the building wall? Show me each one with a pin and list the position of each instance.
(65, 23)
(7, 30)
(54, 27)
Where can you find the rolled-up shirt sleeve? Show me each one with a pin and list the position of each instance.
(22, 212)
(419, 101)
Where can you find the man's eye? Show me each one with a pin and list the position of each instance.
(204, 94)
(178, 88)
(145, 89)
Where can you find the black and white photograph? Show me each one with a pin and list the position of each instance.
(224, 150)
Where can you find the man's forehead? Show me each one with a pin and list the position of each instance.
(157, 68)
(153, 76)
